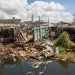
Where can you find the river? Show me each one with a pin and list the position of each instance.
(32, 67)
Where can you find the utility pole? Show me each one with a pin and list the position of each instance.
(39, 28)
(74, 19)
(32, 18)
(48, 21)
(48, 28)
(39, 19)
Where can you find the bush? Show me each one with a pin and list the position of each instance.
(64, 41)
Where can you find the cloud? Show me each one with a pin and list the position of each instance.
(21, 9)
(55, 11)
(12, 7)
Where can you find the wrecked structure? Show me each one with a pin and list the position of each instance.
(39, 29)
(57, 28)
(11, 30)
(8, 29)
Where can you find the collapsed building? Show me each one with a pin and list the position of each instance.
(39, 29)
(61, 26)
(12, 30)
(8, 29)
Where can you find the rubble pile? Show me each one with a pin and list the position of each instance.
(9, 53)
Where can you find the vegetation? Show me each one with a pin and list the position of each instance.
(63, 41)
(63, 55)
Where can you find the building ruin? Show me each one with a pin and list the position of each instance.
(14, 30)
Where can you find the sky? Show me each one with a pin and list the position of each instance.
(69, 4)
(55, 10)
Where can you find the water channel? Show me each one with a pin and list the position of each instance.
(32, 67)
